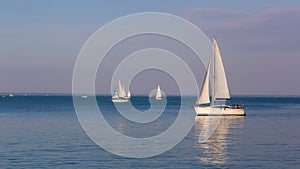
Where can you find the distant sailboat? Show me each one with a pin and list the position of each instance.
(119, 95)
(158, 93)
(11, 95)
(84, 97)
(220, 91)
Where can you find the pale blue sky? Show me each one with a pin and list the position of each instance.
(40, 40)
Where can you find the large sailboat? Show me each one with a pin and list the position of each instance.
(220, 103)
(119, 95)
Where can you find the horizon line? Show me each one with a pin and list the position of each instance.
(106, 94)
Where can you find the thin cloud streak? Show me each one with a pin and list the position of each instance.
(216, 18)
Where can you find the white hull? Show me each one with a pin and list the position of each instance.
(119, 100)
(84, 97)
(217, 111)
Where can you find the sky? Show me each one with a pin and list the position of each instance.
(40, 41)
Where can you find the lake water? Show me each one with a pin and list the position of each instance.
(44, 132)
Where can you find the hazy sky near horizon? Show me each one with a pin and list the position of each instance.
(40, 41)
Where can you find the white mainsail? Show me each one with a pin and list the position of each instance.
(121, 92)
(158, 93)
(220, 88)
(204, 93)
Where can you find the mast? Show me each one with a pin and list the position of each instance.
(213, 74)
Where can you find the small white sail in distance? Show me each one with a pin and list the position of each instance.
(158, 93)
(128, 94)
(123, 91)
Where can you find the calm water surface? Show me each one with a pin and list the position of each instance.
(43, 132)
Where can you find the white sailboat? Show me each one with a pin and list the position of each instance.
(84, 96)
(119, 95)
(219, 90)
(158, 93)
